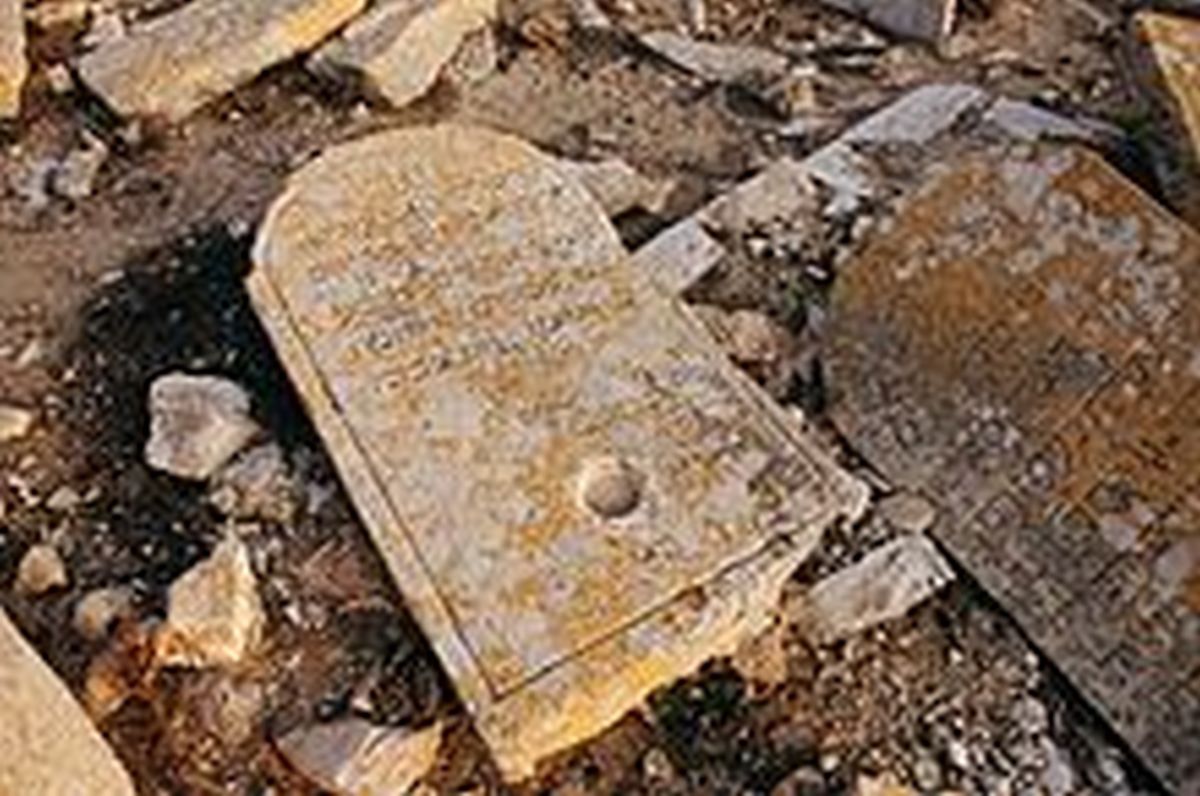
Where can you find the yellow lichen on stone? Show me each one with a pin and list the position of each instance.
(14, 67)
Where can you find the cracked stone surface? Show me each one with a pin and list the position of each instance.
(177, 62)
(47, 744)
(469, 394)
(1022, 346)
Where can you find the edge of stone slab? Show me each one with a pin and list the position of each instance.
(718, 623)
(45, 765)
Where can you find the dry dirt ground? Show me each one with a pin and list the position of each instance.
(99, 296)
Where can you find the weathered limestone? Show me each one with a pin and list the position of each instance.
(919, 19)
(400, 46)
(215, 616)
(886, 584)
(580, 497)
(1021, 347)
(717, 63)
(176, 63)
(47, 745)
(617, 186)
(14, 67)
(679, 257)
(1172, 45)
(15, 423)
(352, 757)
(197, 424)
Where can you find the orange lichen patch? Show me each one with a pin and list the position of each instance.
(1022, 346)
(470, 337)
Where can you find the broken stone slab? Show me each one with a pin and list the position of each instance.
(579, 496)
(716, 63)
(352, 757)
(197, 424)
(14, 66)
(834, 181)
(617, 186)
(1020, 345)
(214, 614)
(177, 62)
(930, 20)
(400, 47)
(1171, 46)
(886, 584)
(47, 745)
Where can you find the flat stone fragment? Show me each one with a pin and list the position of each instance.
(580, 497)
(1022, 347)
(717, 63)
(14, 66)
(1173, 45)
(47, 745)
(918, 19)
(15, 423)
(401, 46)
(352, 757)
(617, 186)
(680, 257)
(175, 63)
(886, 584)
(197, 424)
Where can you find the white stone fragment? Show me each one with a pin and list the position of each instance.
(679, 257)
(197, 424)
(400, 47)
(351, 757)
(15, 423)
(617, 186)
(717, 63)
(214, 616)
(919, 19)
(886, 584)
(41, 570)
(175, 63)
(1024, 121)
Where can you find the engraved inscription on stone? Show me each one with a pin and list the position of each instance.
(1023, 346)
(579, 497)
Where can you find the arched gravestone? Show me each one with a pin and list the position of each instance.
(580, 499)
(1023, 346)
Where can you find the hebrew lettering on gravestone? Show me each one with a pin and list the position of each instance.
(1023, 347)
(579, 498)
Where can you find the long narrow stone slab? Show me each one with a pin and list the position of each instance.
(176, 63)
(14, 67)
(919, 19)
(1022, 345)
(580, 497)
(47, 745)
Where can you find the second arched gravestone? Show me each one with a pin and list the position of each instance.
(579, 497)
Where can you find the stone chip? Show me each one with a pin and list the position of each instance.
(14, 66)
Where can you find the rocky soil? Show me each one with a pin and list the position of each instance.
(122, 249)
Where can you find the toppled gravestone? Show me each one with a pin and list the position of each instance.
(400, 47)
(173, 64)
(47, 745)
(14, 67)
(579, 496)
(1022, 346)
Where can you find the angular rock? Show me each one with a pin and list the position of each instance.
(257, 485)
(177, 62)
(617, 186)
(41, 570)
(1020, 346)
(886, 584)
(716, 63)
(14, 67)
(1023, 121)
(15, 423)
(907, 512)
(47, 745)
(469, 426)
(1171, 45)
(197, 424)
(680, 257)
(214, 616)
(351, 757)
(400, 47)
(930, 20)
(76, 175)
(99, 609)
